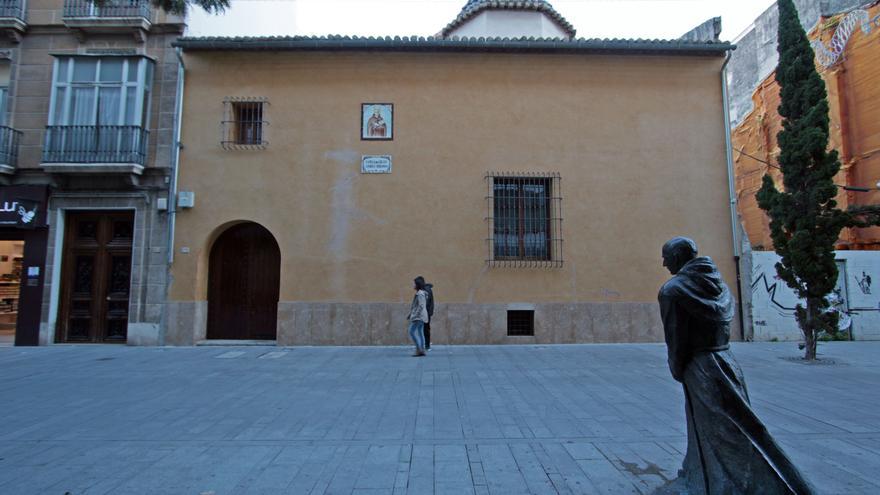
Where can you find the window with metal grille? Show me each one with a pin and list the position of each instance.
(525, 219)
(244, 126)
(520, 323)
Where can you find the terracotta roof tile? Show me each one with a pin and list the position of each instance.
(453, 44)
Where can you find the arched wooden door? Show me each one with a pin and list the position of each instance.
(244, 276)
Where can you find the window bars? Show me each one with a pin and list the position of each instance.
(520, 323)
(524, 220)
(96, 144)
(9, 138)
(244, 124)
(110, 8)
(12, 8)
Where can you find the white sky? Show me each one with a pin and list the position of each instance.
(664, 19)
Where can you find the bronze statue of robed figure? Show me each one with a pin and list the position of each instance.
(729, 450)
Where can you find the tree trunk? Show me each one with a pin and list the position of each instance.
(810, 332)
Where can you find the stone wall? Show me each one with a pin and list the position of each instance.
(31, 83)
(707, 31)
(363, 324)
(32, 65)
(755, 56)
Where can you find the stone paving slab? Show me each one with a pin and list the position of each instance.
(603, 419)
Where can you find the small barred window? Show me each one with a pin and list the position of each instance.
(524, 220)
(244, 125)
(521, 323)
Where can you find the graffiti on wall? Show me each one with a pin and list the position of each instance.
(858, 306)
(864, 283)
(762, 288)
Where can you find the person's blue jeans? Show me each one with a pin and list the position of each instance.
(417, 332)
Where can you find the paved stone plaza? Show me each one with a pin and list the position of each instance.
(497, 420)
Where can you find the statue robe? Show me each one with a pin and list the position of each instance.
(729, 449)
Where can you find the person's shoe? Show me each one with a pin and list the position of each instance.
(420, 353)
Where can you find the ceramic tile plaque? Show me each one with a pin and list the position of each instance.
(376, 164)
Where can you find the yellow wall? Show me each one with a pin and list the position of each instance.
(639, 142)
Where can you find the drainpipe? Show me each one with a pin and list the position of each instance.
(731, 190)
(175, 155)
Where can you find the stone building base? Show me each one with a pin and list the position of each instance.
(362, 324)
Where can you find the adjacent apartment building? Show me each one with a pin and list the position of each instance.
(532, 176)
(846, 38)
(88, 98)
(845, 35)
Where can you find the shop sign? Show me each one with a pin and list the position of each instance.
(22, 207)
(376, 164)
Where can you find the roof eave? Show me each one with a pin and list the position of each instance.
(478, 45)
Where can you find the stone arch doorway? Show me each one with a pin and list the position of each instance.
(244, 277)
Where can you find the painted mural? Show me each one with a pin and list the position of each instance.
(773, 302)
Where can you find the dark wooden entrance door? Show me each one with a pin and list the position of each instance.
(244, 279)
(96, 276)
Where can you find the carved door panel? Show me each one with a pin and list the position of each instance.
(96, 277)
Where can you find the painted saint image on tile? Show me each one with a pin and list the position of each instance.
(377, 121)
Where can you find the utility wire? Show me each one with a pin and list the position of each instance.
(845, 188)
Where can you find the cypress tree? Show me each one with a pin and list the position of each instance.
(805, 221)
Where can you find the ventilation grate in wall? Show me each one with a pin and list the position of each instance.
(521, 323)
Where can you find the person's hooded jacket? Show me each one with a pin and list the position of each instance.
(418, 310)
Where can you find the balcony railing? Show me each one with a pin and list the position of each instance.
(9, 146)
(12, 8)
(110, 8)
(95, 144)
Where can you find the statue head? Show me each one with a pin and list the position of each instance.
(678, 251)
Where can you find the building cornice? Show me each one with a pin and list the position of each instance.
(456, 44)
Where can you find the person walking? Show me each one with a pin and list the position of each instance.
(418, 316)
(429, 289)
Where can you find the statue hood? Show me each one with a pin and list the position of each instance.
(702, 291)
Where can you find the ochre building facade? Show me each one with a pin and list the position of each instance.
(533, 181)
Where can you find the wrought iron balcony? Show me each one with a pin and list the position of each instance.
(112, 16)
(9, 138)
(12, 8)
(99, 145)
(12, 18)
(109, 9)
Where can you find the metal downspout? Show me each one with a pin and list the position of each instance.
(731, 190)
(172, 188)
(175, 155)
